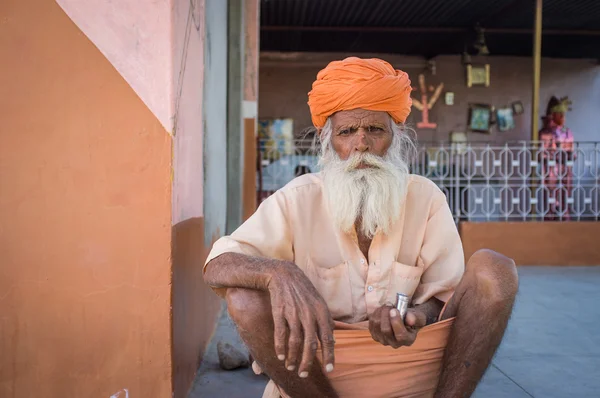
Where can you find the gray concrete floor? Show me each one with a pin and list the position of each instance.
(551, 348)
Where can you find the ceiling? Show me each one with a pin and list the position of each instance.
(571, 28)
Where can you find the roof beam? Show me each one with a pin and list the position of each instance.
(394, 29)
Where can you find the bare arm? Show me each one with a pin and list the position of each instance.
(239, 270)
(298, 309)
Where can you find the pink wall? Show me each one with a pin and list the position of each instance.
(136, 41)
(187, 81)
(159, 51)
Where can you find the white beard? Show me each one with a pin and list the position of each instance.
(372, 196)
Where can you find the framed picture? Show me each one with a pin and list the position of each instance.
(504, 117)
(276, 136)
(517, 107)
(478, 75)
(480, 117)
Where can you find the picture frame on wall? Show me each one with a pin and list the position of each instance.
(505, 119)
(479, 118)
(478, 75)
(517, 107)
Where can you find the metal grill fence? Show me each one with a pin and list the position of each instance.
(519, 181)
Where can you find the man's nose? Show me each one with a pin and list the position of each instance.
(362, 143)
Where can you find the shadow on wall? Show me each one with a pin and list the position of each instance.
(195, 306)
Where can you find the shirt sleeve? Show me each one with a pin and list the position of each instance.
(441, 255)
(266, 233)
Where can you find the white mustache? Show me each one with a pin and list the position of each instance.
(366, 159)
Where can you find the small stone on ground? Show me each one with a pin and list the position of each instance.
(230, 357)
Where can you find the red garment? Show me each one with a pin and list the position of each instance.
(557, 157)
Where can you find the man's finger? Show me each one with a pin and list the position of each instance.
(295, 342)
(372, 321)
(375, 325)
(385, 327)
(327, 344)
(400, 332)
(309, 349)
(415, 318)
(280, 334)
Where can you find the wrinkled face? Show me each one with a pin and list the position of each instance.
(359, 130)
(558, 118)
(365, 170)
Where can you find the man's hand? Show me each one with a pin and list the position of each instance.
(300, 314)
(386, 326)
(301, 317)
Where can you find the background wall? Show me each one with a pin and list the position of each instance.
(286, 78)
(86, 211)
(535, 243)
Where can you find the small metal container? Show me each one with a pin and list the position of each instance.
(402, 301)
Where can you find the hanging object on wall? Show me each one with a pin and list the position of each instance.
(478, 75)
(479, 45)
(276, 136)
(426, 103)
(449, 98)
(505, 120)
(480, 117)
(517, 107)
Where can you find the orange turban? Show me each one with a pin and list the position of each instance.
(353, 83)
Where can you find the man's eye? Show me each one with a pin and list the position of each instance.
(344, 132)
(374, 129)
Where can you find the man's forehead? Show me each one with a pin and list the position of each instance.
(360, 116)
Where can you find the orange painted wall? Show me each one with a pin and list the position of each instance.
(85, 206)
(536, 243)
(250, 166)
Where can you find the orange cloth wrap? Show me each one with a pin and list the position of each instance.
(353, 83)
(365, 368)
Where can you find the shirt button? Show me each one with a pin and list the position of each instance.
(362, 260)
(370, 288)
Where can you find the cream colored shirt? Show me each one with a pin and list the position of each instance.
(421, 257)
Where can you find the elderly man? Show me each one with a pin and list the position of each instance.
(311, 278)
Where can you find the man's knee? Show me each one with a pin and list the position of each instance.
(495, 274)
(248, 307)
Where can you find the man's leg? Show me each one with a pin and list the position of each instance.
(482, 304)
(251, 312)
